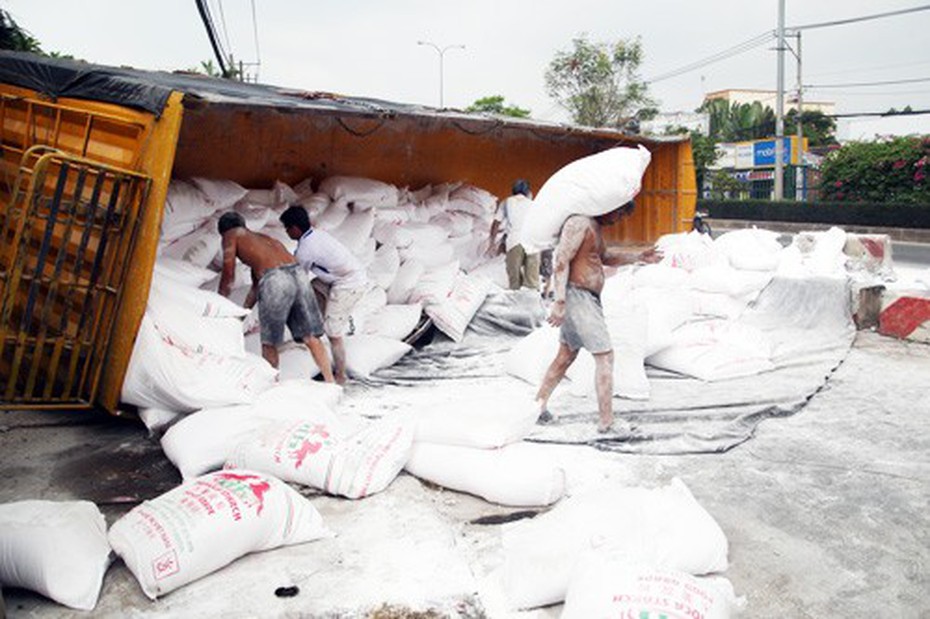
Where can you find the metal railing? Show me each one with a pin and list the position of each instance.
(68, 231)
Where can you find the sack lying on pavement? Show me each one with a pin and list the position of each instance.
(202, 441)
(510, 475)
(56, 548)
(605, 587)
(663, 527)
(209, 522)
(322, 456)
(482, 420)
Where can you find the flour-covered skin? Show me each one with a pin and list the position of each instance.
(579, 261)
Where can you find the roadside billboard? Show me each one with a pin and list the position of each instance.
(756, 154)
(763, 152)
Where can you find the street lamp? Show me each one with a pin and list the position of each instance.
(441, 51)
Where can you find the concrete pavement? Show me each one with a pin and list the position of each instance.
(826, 513)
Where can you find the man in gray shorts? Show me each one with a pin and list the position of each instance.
(577, 281)
(279, 285)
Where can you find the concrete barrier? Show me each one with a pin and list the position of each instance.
(905, 316)
(907, 235)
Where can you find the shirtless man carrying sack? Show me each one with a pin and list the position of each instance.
(578, 278)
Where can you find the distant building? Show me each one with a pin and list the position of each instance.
(768, 98)
(665, 122)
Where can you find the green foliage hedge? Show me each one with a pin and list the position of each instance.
(894, 170)
(850, 213)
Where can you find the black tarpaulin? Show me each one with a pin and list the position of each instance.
(54, 78)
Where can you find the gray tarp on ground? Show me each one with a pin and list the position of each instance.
(807, 320)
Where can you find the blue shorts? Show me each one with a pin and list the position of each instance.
(286, 298)
(584, 325)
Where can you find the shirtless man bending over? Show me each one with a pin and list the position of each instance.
(578, 278)
(280, 286)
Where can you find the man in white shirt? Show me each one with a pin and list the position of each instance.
(340, 274)
(522, 268)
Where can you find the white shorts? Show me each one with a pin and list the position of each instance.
(339, 306)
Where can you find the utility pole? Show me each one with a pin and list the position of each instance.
(779, 189)
(442, 52)
(799, 193)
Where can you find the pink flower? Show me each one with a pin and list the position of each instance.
(920, 162)
(838, 184)
(900, 163)
(919, 176)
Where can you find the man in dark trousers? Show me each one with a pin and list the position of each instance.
(522, 267)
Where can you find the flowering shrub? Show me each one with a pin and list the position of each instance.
(893, 170)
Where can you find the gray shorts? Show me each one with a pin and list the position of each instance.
(584, 325)
(285, 297)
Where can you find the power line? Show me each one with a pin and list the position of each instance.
(219, 4)
(745, 46)
(207, 19)
(886, 114)
(859, 84)
(768, 36)
(860, 69)
(851, 20)
(872, 94)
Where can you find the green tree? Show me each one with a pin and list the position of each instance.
(704, 153)
(895, 170)
(208, 67)
(724, 186)
(819, 130)
(495, 105)
(734, 122)
(13, 37)
(597, 82)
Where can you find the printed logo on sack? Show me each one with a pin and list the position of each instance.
(306, 440)
(257, 485)
(165, 565)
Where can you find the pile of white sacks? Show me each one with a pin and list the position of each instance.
(63, 549)
(418, 248)
(238, 430)
(682, 314)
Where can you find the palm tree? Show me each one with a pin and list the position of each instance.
(15, 38)
(732, 122)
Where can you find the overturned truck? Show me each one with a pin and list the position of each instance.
(88, 153)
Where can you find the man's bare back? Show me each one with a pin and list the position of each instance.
(257, 251)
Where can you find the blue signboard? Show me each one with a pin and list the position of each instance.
(763, 153)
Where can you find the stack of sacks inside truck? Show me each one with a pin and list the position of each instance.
(416, 246)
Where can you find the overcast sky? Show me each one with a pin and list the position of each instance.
(369, 48)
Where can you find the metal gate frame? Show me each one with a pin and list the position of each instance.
(67, 233)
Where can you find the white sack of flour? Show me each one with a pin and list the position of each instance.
(209, 522)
